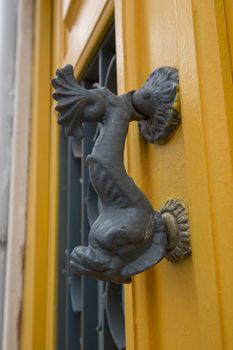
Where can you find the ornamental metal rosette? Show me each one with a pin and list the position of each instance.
(128, 236)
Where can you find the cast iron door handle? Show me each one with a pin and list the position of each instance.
(128, 236)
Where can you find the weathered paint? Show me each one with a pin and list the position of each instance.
(18, 180)
(8, 19)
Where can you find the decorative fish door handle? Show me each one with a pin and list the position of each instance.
(129, 236)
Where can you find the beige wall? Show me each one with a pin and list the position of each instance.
(18, 97)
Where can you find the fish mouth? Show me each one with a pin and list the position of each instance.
(103, 275)
(78, 269)
(89, 259)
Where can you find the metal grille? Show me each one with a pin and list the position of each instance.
(90, 313)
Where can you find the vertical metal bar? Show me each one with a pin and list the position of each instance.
(62, 244)
(73, 239)
(105, 340)
(89, 285)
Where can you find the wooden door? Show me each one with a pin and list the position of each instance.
(187, 305)
(171, 306)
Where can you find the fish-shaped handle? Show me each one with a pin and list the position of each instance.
(129, 236)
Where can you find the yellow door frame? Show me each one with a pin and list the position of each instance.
(34, 311)
(38, 320)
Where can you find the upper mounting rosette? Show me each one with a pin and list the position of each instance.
(159, 100)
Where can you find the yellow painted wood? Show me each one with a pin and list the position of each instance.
(148, 320)
(225, 33)
(84, 28)
(217, 97)
(228, 7)
(33, 330)
(185, 306)
(199, 191)
(51, 306)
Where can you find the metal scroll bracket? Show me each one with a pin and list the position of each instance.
(128, 236)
